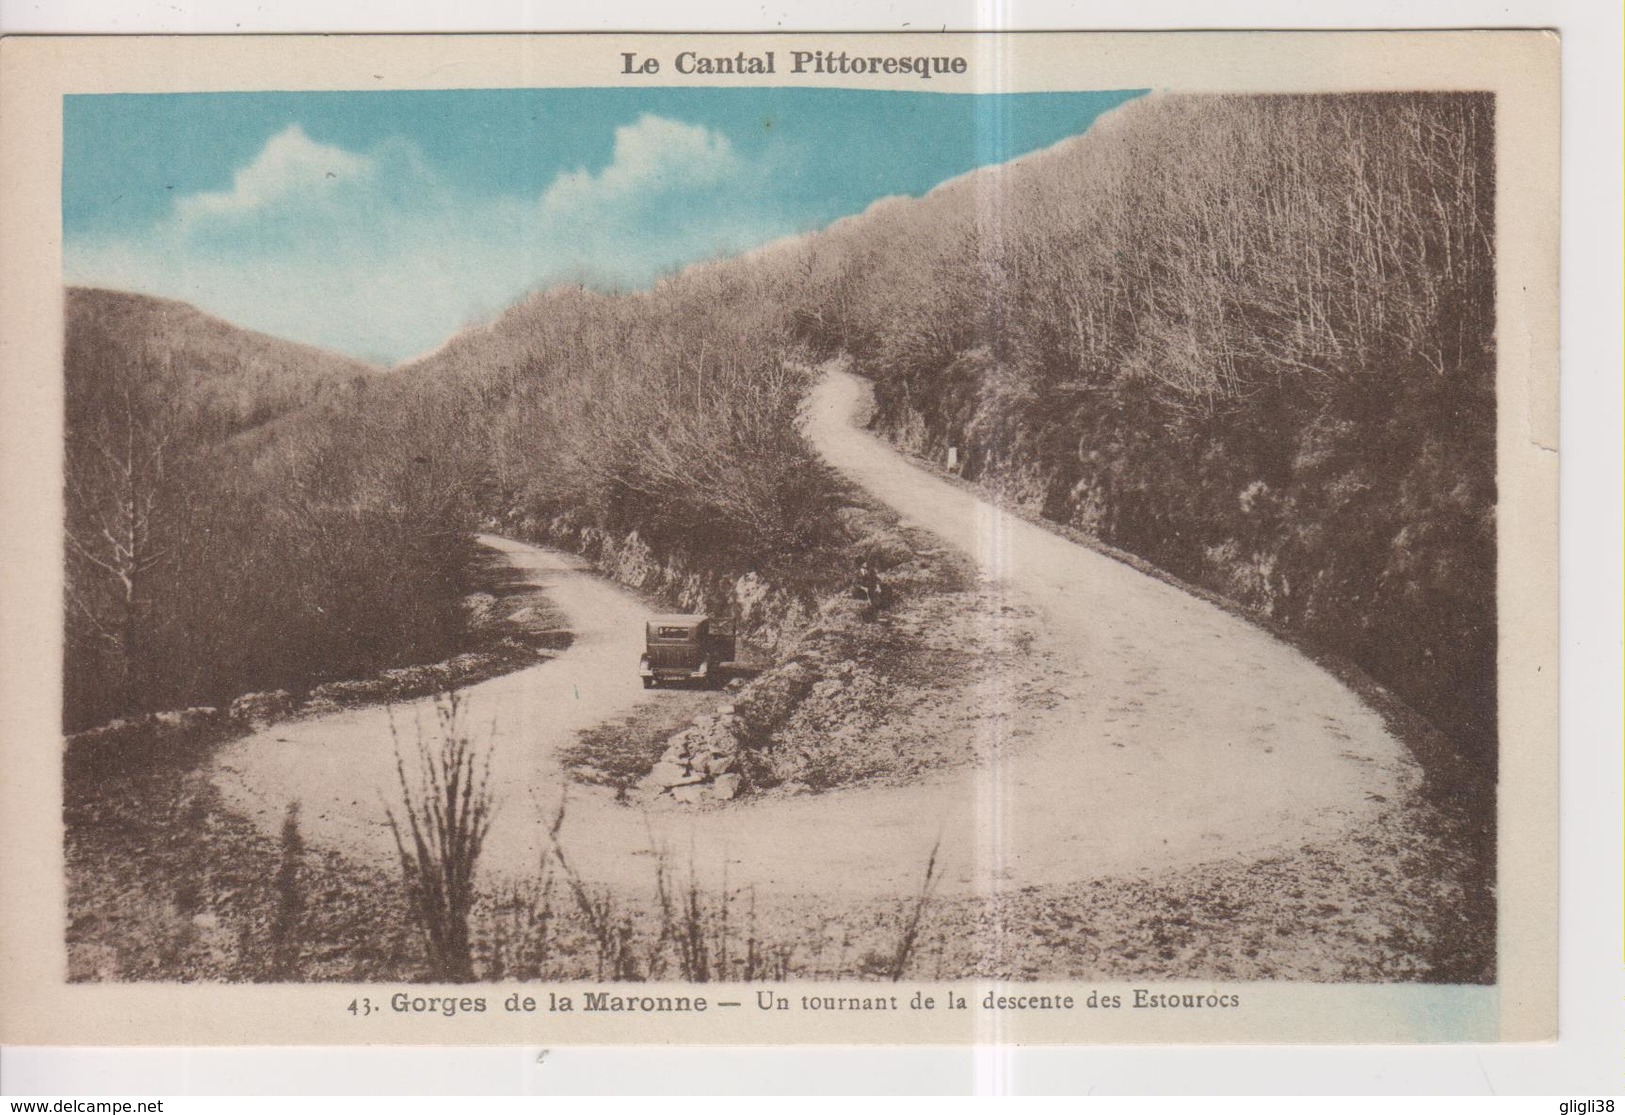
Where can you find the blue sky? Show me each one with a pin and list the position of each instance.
(378, 224)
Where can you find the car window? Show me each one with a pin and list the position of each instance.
(671, 632)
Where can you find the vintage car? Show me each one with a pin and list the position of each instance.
(684, 648)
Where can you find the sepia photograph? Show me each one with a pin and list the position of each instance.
(772, 525)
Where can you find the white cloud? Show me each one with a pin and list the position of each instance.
(652, 156)
(291, 164)
(671, 194)
(375, 254)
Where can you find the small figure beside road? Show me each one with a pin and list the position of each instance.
(867, 586)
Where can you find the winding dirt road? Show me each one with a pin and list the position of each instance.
(1187, 735)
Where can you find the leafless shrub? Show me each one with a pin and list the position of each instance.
(699, 934)
(694, 924)
(287, 921)
(911, 925)
(609, 924)
(447, 809)
(522, 926)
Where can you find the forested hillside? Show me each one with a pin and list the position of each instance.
(239, 514)
(1250, 339)
(669, 415)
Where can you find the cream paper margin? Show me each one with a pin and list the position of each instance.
(37, 1006)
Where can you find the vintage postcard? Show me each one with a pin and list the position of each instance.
(749, 539)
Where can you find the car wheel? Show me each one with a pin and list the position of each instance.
(649, 683)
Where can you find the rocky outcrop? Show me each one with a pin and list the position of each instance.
(719, 757)
(768, 615)
(818, 689)
(256, 710)
(126, 729)
(700, 764)
(131, 741)
(187, 719)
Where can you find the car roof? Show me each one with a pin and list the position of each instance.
(675, 620)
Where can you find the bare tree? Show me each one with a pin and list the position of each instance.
(122, 497)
